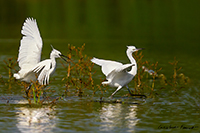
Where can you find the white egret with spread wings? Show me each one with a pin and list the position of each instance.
(31, 68)
(116, 73)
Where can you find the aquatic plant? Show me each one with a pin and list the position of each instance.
(9, 66)
(172, 83)
(178, 80)
(146, 71)
(79, 72)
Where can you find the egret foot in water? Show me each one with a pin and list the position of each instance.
(27, 89)
(135, 94)
(128, 91)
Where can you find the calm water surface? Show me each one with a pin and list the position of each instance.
(166, 29)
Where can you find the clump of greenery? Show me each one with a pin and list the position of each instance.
(79, 72)
(178, 79)
(152, 70)
(9, 66)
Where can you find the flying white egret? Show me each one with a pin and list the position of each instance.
(116, 73)
(30, 54)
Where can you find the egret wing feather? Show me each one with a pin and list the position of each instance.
(43, 71)
(107, 65)
(31, 45)
(122, 69)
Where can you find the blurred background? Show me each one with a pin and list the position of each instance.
(165, 28)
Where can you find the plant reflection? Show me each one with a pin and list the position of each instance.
(118, 116)
(35, 119)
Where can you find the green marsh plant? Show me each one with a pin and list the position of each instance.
(178, 80)
(9, 66)
(79, 71)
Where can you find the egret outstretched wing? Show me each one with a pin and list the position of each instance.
(107, 65)
(124, 67)
(31, 45)
(121, 69)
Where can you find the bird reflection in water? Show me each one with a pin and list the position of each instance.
(115, 116)
(35, 119)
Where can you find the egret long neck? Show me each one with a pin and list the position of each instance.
(53, 62)
(133, 61)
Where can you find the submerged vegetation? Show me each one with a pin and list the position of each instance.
(79, 80)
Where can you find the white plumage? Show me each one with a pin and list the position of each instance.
(31, 44)
(30, 54)
(116, 73)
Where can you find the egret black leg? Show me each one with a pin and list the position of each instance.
(129, 90)
(27, 89)
(134, 94)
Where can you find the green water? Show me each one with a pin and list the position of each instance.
(166, 29)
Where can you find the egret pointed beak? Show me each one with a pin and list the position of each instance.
(62, 56)
(52, 47)
(139, 49)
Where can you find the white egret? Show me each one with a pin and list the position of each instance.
(30, 53)
(116, 73)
